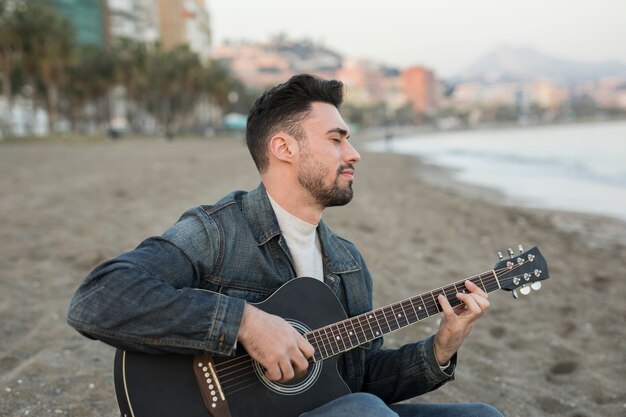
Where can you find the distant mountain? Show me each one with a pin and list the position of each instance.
(511, 64)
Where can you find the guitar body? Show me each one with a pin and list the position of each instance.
(165, 385)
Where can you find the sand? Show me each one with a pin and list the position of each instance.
(65, 207)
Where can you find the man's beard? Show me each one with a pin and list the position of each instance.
(311, 177)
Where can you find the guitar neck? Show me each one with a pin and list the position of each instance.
(345, 335)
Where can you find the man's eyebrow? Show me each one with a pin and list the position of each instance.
(342, 132)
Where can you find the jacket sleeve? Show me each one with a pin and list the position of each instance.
(399, 374)
(148, 299)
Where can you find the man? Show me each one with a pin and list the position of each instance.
(189, 290)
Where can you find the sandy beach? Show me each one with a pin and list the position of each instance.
(66, 207)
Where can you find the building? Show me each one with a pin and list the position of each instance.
(89, 19)
(134, 20)
(259, 65)
(254, 64)
(365, 81)
(185, 22)
(548, 94)
(420, 87)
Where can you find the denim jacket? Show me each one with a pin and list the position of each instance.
(184, 292)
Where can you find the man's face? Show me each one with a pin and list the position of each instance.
(327, 159)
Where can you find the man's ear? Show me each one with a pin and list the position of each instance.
(283, 147)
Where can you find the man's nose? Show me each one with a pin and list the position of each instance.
(351, 154)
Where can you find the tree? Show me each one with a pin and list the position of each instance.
(91, 75)
(131, 67)
(46, 44)
(9, 52)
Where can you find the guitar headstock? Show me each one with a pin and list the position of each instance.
(524, 271)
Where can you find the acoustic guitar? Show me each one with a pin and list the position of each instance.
(149, 385)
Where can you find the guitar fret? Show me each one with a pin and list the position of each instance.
(434, 308)
(479, 282)
(451, 297)
(314, 342)
(436, 296)
(400, 316)
(369, 324)
(324, 345)
(337, 336)
(331, 341)
(347, 335)
(379, 323)
(355, 331)
(358, 332)
(422, 313)
(409, 311)
(460, 287)
(492, 282)
(359, 320)
(410, 301)
(379, 329)
(384, 314)
(388, 310)
(391, 312)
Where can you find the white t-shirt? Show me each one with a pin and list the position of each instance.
(303, 241)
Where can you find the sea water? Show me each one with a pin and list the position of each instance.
(578, 167)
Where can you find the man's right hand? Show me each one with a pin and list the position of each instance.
(275, 344)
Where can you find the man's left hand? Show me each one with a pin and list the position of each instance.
(458, 322)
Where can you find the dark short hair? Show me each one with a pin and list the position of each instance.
(283, 107)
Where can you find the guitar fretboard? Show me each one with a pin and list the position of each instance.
(345, 335)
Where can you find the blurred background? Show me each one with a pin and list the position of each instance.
(118, 115)
(175, 67)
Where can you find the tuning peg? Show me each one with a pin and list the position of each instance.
(520, 248)
(515, 294)
(511, 253)
(524, 290)
(500, 255)
(536, 285)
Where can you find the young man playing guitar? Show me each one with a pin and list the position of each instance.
(191, 291)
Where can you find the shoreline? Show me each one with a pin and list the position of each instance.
(582, 217)
(74, 206)
(601, 229)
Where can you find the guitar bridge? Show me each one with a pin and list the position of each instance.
(210, 387)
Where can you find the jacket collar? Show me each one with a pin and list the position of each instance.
(262, 221)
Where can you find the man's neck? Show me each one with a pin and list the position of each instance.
(294, 200)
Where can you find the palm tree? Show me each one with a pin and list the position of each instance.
(173, 85)
(46, 43)
(9, 54)
(130, 63)
(91, 76)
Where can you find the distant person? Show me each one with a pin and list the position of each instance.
(388, 139)
(190, 290)
(117, 126)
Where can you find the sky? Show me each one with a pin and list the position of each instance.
(445, 35)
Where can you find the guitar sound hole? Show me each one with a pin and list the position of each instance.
(296, 385)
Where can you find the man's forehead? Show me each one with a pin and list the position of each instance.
(326, 117)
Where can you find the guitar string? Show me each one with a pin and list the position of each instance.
(487, 276)
(358, 331)
(361, 331)
(229, 385)
(386, 314)
(254, 380)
